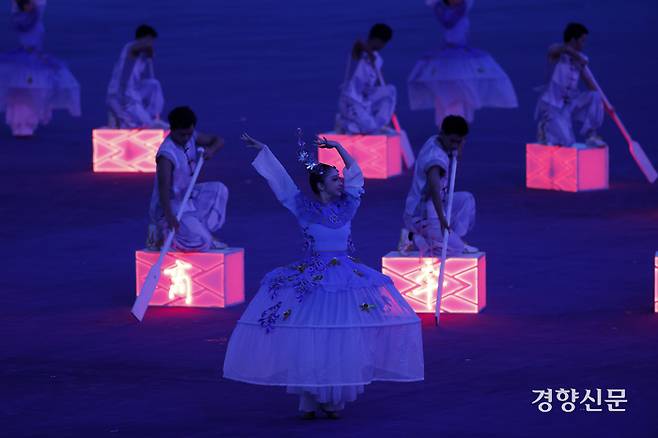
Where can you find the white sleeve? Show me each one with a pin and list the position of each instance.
(166, 152)
(285, 190)
(362, 78)
(437, 158)
(353, 180)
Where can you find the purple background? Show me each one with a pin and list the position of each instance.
(570, 276)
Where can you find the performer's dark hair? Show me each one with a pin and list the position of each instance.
(574, 30)
(181, 117)
(21, 4)
(316, 176)
(145, 30)
(454, 125)
(381, 31)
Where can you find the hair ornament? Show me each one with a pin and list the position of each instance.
(304, 157)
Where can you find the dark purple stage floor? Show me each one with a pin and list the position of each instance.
(570, 276)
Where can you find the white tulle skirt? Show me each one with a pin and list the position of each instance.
(32, 85)
(459, 80)
(324, 327)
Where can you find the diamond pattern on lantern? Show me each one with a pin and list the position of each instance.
(126, 150)
(569, 169)
(464, 286)
(195, 279)
(379, 156)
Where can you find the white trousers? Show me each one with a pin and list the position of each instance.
(369, 117)
(556, 124)
(208, 214)
(428, 235)
(140, 109)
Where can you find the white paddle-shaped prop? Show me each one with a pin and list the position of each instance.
(637, 152)
(446, 234)
(152, 278)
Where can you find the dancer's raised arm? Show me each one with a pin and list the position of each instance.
(269, 167)
(352, 172)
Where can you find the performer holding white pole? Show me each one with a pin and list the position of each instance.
(200, 209)
(366, 105)
(151, 281)
(425, 213)
(134, 95)
(562, 102)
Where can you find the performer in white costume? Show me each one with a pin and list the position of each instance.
(134, 96)
(457, 79)
(326, 325)
(366, 105)
(33, 83)
(424, 212)
(561, 102)
(205, 211)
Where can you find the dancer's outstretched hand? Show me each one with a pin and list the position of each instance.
(323, 143)
(251, 142)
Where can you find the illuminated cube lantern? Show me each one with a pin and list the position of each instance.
(126, 150)
(195, 279)
(570, 169)
(655, 287)
(379, 156)
(464, 285)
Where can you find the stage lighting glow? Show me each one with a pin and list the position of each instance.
(569, 169)
(195, 279)
(379, 156)
(126, 150)
(464, 285)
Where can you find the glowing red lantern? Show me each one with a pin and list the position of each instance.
(379, 156)
(195, 279)
(570, 169)
(464, 287)
(655, 287)
(126, 150)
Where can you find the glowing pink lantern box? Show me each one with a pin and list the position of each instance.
(195, 279)
(655, 286)
(465, 285)
(569, 169)
(126, 150)
(379, 156)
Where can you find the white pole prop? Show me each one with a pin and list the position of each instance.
(152, 278)
(637, 152)
(446, 234)
(405, 145)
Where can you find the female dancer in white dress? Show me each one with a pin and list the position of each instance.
(326, 325)
(457, 79)
(32, 83)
